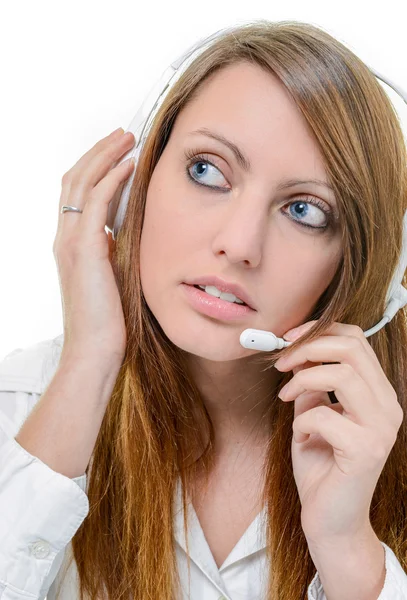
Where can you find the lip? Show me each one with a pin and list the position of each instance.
(224, 286)
(214, 307)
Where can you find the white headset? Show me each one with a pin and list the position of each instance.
(253, 339)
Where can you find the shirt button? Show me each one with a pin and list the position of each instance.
(40, 549)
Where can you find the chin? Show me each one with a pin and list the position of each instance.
(206, 341)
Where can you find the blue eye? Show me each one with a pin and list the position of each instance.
(311, 210)
(204, 167)
(309, 205)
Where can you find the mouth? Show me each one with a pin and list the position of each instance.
(214, 306)
(202, 289)
(232, 291)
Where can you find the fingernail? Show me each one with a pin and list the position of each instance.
(293, 334)
(297, 332)
(282, 392)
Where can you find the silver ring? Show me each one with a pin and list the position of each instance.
(67, 208)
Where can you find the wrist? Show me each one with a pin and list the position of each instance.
(350, 566)
(90, 358)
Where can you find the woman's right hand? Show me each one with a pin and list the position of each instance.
(92, 310)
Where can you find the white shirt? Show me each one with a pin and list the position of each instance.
(41, 510)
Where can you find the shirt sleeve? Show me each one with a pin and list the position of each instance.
(395, 584)
(40, 509)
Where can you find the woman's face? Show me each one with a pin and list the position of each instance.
(249, 232)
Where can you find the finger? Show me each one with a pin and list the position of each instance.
(81, 182)
(352, 392)
(84, 160)
(67, 179)
(355, 331)
(341, 433)
(352, 445)
(103, 161)
(308, 400)
(306, 365)
(343, 349)
(329, 398)
(347, 329)
(96, 208)
(94, 217)
(79, 195)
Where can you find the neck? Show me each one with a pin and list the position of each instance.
(237, 395)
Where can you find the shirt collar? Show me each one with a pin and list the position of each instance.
(253, 539)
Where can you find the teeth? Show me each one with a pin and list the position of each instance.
(213, 291)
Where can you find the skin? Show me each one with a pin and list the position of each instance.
(241, 235)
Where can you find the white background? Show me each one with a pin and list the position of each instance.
(73, 72)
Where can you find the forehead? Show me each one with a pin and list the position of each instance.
(250, 106)
(245, 94)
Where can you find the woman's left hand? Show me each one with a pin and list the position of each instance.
(339, 450)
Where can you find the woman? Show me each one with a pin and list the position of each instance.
(214, 195)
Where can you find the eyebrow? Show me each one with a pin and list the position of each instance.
(244, 162)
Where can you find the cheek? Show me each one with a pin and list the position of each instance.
(172, 229)
(164, 244)
(303, 277)
(155, 251)
(320, 278)
(313, 281)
